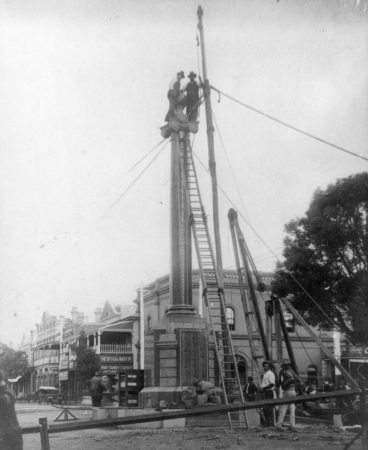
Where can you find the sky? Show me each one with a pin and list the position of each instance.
(84, 193)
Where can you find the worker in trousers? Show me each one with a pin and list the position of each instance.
(288, 379)
(268, 389)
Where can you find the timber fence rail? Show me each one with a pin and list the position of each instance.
(199, 411)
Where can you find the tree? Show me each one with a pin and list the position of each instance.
(326, 258)
(13, 362)
(87, 361)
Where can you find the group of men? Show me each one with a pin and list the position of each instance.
(186, 96)
(284, 384)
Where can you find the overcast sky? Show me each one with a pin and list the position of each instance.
(83, 94)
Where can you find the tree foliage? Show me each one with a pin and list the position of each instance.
(87, 362)
(13, 362)
(326, 258)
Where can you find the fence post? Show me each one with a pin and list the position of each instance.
(363, 414)
(44, 434)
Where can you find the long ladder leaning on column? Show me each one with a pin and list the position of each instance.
(213, 292)
(249, 300)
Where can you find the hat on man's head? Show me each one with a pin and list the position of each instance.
(267, 362)
(192, 75)
(181, 74)
(99, 373)
(286, 362)
(195, 381)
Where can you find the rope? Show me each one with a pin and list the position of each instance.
(135, 179)
(337, 147)
(135, 165)
(275, 257)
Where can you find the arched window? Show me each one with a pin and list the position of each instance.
(149, 323)
(230, 316)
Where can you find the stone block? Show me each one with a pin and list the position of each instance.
(167, 353)
(167, 364)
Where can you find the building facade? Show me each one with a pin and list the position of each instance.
(310, 360)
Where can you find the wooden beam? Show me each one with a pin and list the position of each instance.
(322, 346)
(177, 414)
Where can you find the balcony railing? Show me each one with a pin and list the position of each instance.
(52, 359)
(116, 348)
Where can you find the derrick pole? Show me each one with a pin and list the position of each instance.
(211, 148)
(228, 363)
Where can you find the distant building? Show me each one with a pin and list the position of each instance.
(116, 332)
(309, 358)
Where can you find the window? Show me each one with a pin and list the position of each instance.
(230, 316)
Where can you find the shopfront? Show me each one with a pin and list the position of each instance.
(355, 361)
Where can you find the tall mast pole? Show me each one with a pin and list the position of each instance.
(211, 147)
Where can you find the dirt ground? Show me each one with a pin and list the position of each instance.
(311, 437)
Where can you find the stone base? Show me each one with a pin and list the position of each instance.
(150, 397)
(113, 413)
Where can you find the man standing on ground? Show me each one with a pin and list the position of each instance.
(97, 389)
(287, 379)
(250, 390)
(268, 388)
(10, 431)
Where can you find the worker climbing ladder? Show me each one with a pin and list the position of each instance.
(213, 292)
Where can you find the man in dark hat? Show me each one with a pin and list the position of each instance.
(10, 432)
(173, 94)
(288, 380)
(97, 389)
(268, 389)
(192, 100)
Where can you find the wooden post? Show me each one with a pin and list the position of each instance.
(44, 434)
(277, 313)
(364, 419)
(211, 148)
(322, 346)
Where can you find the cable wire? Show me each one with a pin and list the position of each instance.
(275, 257)
(337, 147)
(135, 179)
(334, 324)
(136, 164)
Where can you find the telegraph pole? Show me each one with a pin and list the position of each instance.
(211, 147)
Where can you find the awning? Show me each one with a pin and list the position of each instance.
(14, 380)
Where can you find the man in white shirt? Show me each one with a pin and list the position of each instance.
(173, 94)
(268, 388)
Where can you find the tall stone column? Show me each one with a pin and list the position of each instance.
(180, 234)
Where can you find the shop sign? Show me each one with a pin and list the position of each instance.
(72, 364)
(356, 351)
(63, 375)
(119, 359)
(64, 362)
(114, 367)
